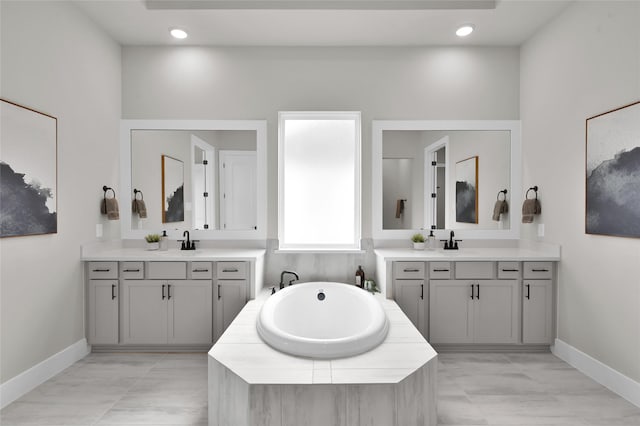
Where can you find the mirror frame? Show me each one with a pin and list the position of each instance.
(259, 126)
(515, 196)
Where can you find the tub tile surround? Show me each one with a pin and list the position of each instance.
(347, 391)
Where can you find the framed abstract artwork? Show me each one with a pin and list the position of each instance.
(172, 190)
(467, 190)
(28, 171)
(613, 173)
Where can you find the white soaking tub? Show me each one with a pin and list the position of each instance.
(322, 320)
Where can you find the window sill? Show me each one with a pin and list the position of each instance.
(319, 251)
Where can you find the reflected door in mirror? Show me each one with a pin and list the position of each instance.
(237, 190)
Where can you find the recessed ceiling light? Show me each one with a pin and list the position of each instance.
(464, 30)
(178, 33)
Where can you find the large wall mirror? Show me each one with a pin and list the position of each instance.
(446, 175)
(204, 176)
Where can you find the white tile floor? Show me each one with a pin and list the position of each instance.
(171, 389)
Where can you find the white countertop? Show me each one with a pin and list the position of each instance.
(141, 254)
(547, 253)
(242, 350)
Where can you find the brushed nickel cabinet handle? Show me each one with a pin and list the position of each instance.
(113, 291)
(230, 270)
(411, 270)
(202, 270)
(131, 270)
(101, 270)
(509, 270)
(440, 270)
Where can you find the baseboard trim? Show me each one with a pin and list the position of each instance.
(615, 381)
(24, 382)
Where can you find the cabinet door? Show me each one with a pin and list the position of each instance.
(103, 312)
(144, 304)
(496, 311)
(230, 298)
(189, 320)
(450, 311)
(537, 315)
(410, 296)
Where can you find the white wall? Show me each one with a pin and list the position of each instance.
(584, 63)
(53, 59)
(383, 83)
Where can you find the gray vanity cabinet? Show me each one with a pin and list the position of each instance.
(166, 311)
(103, 302)
(410, 292)
(537, 303)
(103, 312)
(168, 308)
(475, 307)
(450, 311)
(144, 312)
(473, 311)
(230, 294)
(189, 315)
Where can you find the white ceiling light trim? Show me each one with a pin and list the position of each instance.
(465, 30)
(178, 33)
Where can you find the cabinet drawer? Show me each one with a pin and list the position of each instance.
(167, 270)
(440, 270)
(538, 270)
(408, 270)
(132, 270)
(475, 270)
(201, 270)
(508, 270)
(231, 270)
(103, 270)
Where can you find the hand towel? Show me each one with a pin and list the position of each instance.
(530, 208)
(399, 208)
(499, 208)
(109, 207)
(139, 206)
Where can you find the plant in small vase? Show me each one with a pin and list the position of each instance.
(418, 241)
(153, 241)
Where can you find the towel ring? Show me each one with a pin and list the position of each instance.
(534, 189)
(105, 188)
(504, 192)
(135, 194)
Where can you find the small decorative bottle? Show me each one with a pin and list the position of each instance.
(360, 277)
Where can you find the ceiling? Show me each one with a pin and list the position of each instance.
(321, 22)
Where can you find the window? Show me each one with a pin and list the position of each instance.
(319, 180)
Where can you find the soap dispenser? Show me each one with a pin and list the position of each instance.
(164, 241)
(432, 243)
(360, 277)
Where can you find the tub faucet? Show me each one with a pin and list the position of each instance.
(283, 273)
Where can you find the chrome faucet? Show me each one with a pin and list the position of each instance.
(283, 273)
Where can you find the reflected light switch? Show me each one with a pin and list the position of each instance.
(98, 230)
(187, 206)
(541, 230)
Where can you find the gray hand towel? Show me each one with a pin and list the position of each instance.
(530, 208)
(109, 207)
(499, 208)
(139, 206)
